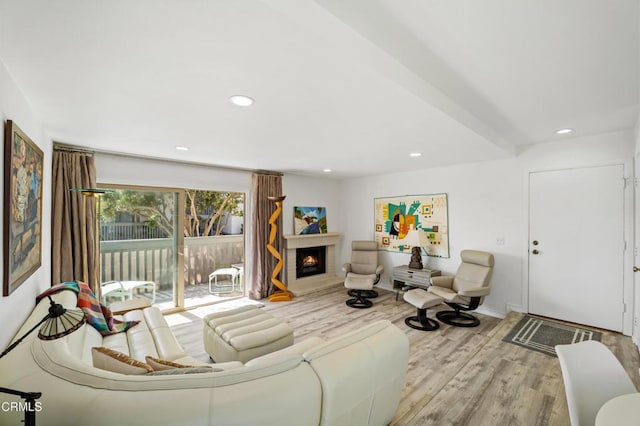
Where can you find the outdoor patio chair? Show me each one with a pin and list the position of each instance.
(125, 290)
(133, 286)
(115, 290)
(233, 273)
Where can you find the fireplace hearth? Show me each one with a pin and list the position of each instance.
(310, 261)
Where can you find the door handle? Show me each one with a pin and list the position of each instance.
(636, 269)
(535, 242)
(535, 251)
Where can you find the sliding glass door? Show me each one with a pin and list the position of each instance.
(213, 246)
(177, 247)
(140, 245)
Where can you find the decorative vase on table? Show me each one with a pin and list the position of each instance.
(416, 258)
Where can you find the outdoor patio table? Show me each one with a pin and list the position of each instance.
(234, 273)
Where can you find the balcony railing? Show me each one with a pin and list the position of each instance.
(129, 231)
(154, 260)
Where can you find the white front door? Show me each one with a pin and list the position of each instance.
(576, 245)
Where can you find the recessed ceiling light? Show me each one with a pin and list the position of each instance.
(241, 100)
(563, 131)
(182, 148)
(326, 170)
(415, 154)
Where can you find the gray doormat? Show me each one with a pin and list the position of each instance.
(542, 335)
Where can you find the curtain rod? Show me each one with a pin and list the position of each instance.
(267, 172)
(58, 146)
(71, 148)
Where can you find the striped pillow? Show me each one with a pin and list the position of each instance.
(162, 364)
(117, 362)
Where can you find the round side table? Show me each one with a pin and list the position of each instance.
(623, 410)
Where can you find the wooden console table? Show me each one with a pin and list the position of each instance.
(403, 276)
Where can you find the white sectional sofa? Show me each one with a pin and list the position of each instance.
(356, 379)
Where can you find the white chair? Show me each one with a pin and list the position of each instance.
(592, 375)
(233, 273)
(113, 289)
(464, 291)
(362, 273)
(133, 286)
(125, 290)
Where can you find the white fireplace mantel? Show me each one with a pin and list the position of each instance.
(300, 286)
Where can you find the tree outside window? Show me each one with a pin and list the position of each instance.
(208, 213)
(212, 212)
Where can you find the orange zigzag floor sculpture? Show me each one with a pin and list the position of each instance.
(281, 295)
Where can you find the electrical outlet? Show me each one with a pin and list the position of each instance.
(500, 241)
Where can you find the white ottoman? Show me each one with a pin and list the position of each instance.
(422, 300)
(360, 289)
(244, 333)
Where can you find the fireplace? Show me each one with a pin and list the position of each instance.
(318, 281)
(310, 261)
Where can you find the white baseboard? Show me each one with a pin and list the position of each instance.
(486, 311)
(497, 314)
(515, 308)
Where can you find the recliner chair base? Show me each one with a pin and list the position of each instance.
(423, 323)
(367, 294)
(359, 302)
(458, 319)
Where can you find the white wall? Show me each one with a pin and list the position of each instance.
(16, 307)
(124, 170)
(487, 201)
(304, 191)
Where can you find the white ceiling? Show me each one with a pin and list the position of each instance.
(351, 85)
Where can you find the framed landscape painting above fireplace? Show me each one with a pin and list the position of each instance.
(309, 220)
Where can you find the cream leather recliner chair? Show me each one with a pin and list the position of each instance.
(362, 274)
(464, 291)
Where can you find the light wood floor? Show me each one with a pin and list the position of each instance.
(456, 376)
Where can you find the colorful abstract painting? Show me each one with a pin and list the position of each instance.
(309, 220)
(413, 221)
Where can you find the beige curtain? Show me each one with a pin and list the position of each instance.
(70, 245)
(262, 262)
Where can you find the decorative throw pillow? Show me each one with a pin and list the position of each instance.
(117, 362)
(176, 371)
(162, 364)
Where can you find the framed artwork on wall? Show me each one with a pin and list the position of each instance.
(23, 172)
(309, 220)
(408, 221)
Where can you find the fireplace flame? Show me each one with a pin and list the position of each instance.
(309, 261)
